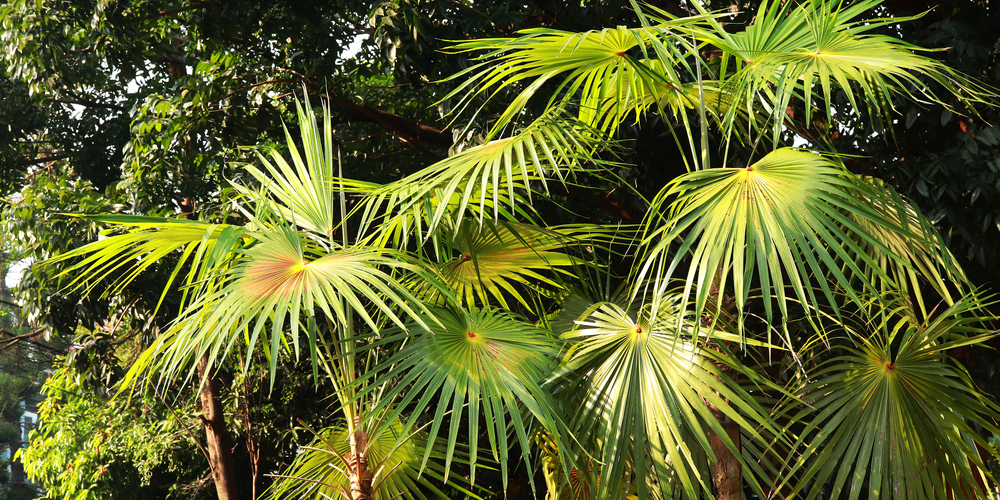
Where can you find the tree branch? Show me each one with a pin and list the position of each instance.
(162, 13)
(90, 104)
(396, 123)
(44, 160)
(409, 131)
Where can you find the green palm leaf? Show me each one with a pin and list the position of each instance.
(495, 261)
(928, 256)
(305, 190)
(646, 387)
(483, 360)
(282, 280)
(596, 64)
(320, 470)
(897, 422)
(797, 50)
(124, 257)
(794, 216)
(482, 179)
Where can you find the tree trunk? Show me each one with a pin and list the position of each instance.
(219, 450)
(360, 475)
(727, 472)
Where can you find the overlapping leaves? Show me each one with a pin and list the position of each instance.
(283, 280)
(302, 189)
(893, 416)
(597, 67)
(796, 218)
(500, 261)
(646, 381)
(321, 470)
(480, 363)
(806, 50)
(493, 177)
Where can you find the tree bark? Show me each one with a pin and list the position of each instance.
(360, 475)
(219, 449)
(727, 471)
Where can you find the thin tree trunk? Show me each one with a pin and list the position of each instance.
(727, 471)
(220, 452)
(360, 475)
(219, 449)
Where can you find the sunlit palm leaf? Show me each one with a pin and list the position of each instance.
(305, 190)
(597, 65)
(483, 360)
(281, 281)
(793, 216)
(894, 416)
(498, 260)
(928, 256)
(646, 387)
(794, 50)
(319, 471)
(485, 178)
(150, 239)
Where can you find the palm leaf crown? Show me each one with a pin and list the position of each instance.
(631, 354)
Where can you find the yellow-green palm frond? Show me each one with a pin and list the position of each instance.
(498, 260)
(645, 381)
(320, 469)
(304, 191)
(480, 361)
(893, 415)
(124, 257)
(483, 179)
(282, 280)
(606, 66)
(806, 50)
(793, 217)
(928, 257)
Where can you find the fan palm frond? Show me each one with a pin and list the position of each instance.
(893, 415)
(605, 65)
(799, 50)
(483, 179)
(794, 216)
(321, 469)
(305, 190)
(646, 386)
(284, 279)
(122, 258)
(928, 257)
(496, 260)
(482, 361)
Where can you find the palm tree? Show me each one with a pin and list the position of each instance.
(783, 326)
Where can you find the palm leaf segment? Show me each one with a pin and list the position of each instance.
(646, 387)
(122, 258)
(281, 280)
(598, 67)
(496, 260)
(928, 256)
(493, 177)
(321, 470)
(303, 190)
(895, 423)
(794, 216)
(482, 360)
(794, 50)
